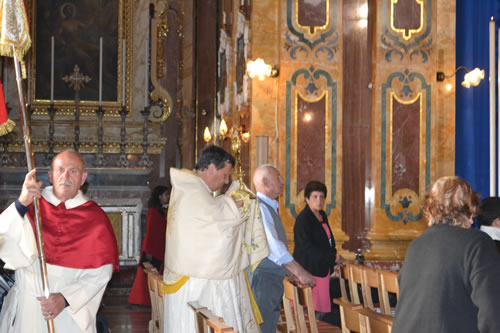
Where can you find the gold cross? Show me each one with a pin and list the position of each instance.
(77, 79)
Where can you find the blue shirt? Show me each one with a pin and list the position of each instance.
(279, 251)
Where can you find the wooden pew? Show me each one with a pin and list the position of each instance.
(343, 279)
(355, 279)
(302, 318)
(207, 322)
(160, 299)
(370, 281)
(373, 322)
(388, 282)
(288, 324)
(154, 323)
(349, 317)
(367, 317)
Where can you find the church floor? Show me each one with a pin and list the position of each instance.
(125, 318)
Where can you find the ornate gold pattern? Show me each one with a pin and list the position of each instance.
(67, 108)
(88, 145)
(161, 34)
(159, 31)
(116, 223)
(410, 31)
(126, 31)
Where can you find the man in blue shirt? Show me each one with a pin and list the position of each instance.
(267, 281)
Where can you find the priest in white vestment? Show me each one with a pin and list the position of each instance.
(210, 241)
(80, 250)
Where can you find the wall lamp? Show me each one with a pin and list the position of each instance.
(471, 79)
(207, 136)
(224, 132)
(260, 69)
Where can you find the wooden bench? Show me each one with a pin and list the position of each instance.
(207, 322)
(368, 317)
(154, 323)
(388, 282)
(301, 317)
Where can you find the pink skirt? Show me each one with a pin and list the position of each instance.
(321, 294)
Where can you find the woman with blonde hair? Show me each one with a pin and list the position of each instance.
(450, 280)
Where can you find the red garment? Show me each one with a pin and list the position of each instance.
(154, 239)
(81, 237)
(3, 109)
(153, 244)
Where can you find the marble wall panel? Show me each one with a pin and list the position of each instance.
(405, 143)
(310, 122)
(312, 15)
(406, 16)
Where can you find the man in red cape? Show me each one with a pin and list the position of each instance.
(80, 249)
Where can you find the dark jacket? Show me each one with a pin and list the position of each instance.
(497, 243)
(312, 249)
(449, 283)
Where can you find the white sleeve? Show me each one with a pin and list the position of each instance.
(85, 293)
(17, 240)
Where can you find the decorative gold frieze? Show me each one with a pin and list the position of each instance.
(88, 145)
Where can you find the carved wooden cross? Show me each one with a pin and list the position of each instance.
(77, 79)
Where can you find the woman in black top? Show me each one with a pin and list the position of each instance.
(315, 245)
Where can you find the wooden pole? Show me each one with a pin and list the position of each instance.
(31, 161)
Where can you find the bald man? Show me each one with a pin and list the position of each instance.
(80, 249)
(267, 281)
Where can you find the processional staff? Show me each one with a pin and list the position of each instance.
(36, 206)
(15, 42)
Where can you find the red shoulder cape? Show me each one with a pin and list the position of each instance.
(81, 237)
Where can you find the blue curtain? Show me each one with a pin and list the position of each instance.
(472, 105)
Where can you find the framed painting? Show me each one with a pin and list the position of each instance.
(93, 35)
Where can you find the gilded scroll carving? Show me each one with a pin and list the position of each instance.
(159, 32)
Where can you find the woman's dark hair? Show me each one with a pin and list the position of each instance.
(154, 199)
(489, 211)
(216, 155)
(314, 186)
